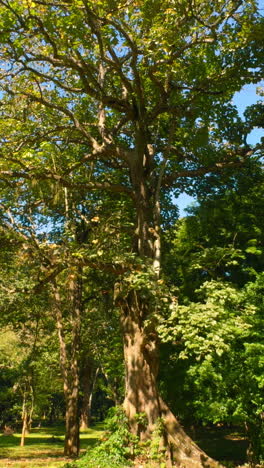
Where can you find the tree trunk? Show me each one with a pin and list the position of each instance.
(31, 410)
(27, 412)
(141, 393)
(138, 322)
(255, 438)
(72, 438)
(24, 429)
(141, 364)
(25, 417)
(88, 380)
(113, 386)
(69, 360)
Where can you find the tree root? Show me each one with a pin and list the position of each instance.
(181, 450)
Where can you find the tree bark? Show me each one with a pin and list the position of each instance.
(141, 364)
(72, 438)
(88, 380)
(25, 417)
(140, 338)
(69, 361)
(27, 412)
(142, 396)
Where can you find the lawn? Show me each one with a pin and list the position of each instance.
(43, 447)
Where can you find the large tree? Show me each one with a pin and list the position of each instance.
(132, 98)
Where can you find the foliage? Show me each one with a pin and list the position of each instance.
(24, 365)
(105, 114)
(11, 358)
(152, 449)
(215, 257)
(116, 447)
(222, 343)
(222, 236)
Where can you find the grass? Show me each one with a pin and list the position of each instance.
(43, 447)
(227, 445)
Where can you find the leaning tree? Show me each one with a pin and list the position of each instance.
(132, 98)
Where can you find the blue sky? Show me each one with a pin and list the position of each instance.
(243, 99)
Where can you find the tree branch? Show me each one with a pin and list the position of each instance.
(170, 179)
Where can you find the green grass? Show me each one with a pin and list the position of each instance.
(43, 447)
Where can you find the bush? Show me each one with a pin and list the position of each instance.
(116, 448)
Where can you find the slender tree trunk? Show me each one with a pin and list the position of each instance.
(72, 437)
(113, 385)
(69, 361)
(31, 410)
(27, 412)
(24, 421)
(24, 429)
(88, 380)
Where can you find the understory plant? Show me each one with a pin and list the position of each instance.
(117, 447)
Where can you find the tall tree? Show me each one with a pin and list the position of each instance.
(132, 98)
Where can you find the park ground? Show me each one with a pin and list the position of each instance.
(44, 446)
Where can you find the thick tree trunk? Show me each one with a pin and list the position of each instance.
(85, 417)
(140, 337)
(141, 365)
(141, 394)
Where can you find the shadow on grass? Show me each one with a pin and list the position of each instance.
(9, 441)
(56, 431)
(14, 441)
(223, 444)
(45, 442)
